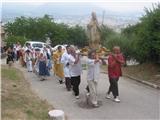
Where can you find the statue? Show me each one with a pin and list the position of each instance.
(93, 32)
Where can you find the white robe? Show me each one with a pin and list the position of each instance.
(64, 60)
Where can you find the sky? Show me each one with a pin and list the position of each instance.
(113, 5)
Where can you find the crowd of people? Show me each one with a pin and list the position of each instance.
(67, 67)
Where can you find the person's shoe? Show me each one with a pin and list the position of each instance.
(108, 96)
(87, 93)
(116, 99)
(60, 81)
(77, 97)
(42, 79)
(95, 105)
(68, 89)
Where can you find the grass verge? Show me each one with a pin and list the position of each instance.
(148, 71)
(18, 101)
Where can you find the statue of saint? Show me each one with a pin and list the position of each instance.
(93, 31)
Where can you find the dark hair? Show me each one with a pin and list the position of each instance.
(67, 46)
(90, 53)
(59, 47)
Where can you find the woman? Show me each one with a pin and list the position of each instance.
(42, 60)
(93, 75)
(28, 60)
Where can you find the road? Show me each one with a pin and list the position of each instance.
(138, 101)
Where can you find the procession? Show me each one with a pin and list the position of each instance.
(67, 68)
(80, 60)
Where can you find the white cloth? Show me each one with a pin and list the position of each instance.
(64, 60)
(93, 91)
(93, 70)
(28, 60)
(29, 65)
(75, 69)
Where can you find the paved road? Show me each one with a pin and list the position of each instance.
(138, 101)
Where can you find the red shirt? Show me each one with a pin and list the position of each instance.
(114, 67)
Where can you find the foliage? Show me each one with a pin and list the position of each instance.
(38, 29)
(10, 40)
(146, 36)
(110, 38)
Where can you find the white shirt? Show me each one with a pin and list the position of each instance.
(75, 69)
(93, 70)
(64, 60)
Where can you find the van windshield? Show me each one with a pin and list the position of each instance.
(37, 45)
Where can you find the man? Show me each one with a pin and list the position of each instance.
(115, 61)
(66, 67)
(58, 67)
(75, 71)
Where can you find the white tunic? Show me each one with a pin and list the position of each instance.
(93, 70)
(75, 69)
(64, 60)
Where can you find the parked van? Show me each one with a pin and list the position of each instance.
(34, 44)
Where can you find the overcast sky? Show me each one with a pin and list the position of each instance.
(113, 5)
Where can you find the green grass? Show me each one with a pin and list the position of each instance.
(10, 73)
(18, 101)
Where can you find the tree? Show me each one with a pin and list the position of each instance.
(146, 36)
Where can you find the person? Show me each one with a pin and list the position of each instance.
(58, 67)
(75, 71)
(15, 54)
(41, 61)
(48, 56)
(28, 60)
(18, 47)
(10, 56)
(115, 61)
(93, 75)
(36, 65)
(66, 67)
(21, 57)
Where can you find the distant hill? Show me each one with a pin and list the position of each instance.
(70, 13)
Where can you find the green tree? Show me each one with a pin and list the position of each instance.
(14, 39)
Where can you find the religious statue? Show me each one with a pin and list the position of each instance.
(93, 31)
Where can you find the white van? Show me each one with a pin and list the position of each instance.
(34, 44)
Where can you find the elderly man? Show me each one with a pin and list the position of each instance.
(115, 61)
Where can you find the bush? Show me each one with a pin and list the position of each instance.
(10, 40)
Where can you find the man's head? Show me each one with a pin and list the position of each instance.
(116, 49)
(68, 49)
(72, 50)
(59, 48)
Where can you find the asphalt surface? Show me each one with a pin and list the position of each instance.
(138, 101)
